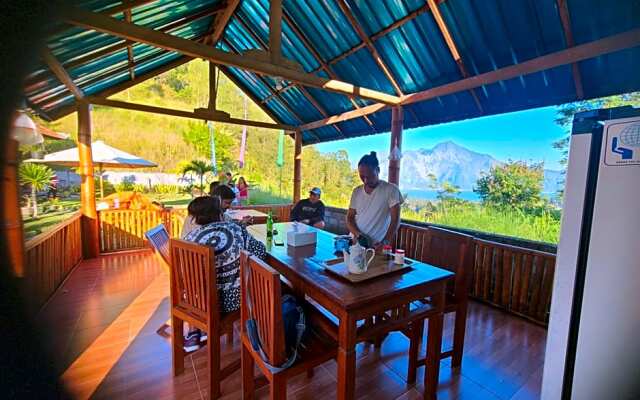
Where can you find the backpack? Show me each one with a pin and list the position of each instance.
(294, 328)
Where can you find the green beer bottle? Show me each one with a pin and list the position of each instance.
(270, 224)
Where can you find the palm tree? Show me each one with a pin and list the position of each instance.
(200, 168)
(38, 177)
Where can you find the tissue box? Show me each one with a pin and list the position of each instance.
(301, 238)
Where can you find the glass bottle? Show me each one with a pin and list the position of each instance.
(270, 224)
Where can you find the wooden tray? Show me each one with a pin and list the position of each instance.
(378, 267)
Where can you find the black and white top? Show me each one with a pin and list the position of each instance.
(228, 239)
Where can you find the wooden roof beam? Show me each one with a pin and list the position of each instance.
(563, 10)
(276, 93)
(132, 73)
(365, 39)
(112, 11)
(149, 36)
(275, 31)
(307, 43)
(61, 73)
(185, 114)
(571, 55)
(87, 58)
(266, 84)
(221, 21)
(444, 30)
(57, 114)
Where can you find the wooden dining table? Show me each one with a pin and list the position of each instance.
(353, 304)
(239, 214)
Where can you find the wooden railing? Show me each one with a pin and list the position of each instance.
(124, 229)
(50, 257)
(512, 278)
(516, 279)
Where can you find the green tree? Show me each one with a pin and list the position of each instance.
(38, 178)
(200, 168)
(565, 113)
(515, 184)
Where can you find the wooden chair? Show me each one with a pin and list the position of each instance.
(194, 299)
(263, 286)
(452, 251)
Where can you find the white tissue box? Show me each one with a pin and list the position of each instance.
(301, 238)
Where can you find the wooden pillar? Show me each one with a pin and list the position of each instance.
(275, 30)
(11, 216)
(297, 166)
(90, 234)
(397, 118)
(213, 86)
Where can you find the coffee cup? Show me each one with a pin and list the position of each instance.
(398, 257)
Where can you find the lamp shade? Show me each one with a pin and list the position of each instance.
(25, 131)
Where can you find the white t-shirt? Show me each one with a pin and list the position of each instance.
(373, 211)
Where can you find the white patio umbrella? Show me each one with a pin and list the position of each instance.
(104, 156)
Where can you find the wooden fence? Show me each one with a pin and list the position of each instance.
(124, 229)
(50, 257)
(513, 278)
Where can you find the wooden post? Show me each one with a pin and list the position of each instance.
(275, 30)
(213, 86)
(397, 118)
(90, 234)
(297, 166)
(10, 211)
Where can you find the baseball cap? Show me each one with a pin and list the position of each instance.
(315, 190)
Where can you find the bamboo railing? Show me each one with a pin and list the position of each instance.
(50, 257)
(124, 229)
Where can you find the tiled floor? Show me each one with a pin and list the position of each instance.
(102, 327)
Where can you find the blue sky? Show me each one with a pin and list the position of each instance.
(524, 135)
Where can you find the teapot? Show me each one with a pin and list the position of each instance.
(357, 258)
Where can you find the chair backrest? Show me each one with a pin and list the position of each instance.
(452, 251)
(261, 284)
(193, 280)
(159, 239)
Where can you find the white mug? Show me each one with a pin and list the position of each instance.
(398, 257)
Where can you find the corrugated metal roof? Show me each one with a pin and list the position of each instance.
(489, 35)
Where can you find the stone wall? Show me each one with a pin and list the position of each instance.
(335, 220)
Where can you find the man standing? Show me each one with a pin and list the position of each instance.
(374, 211)
(310, 211)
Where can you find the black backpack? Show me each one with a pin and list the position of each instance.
(294, 328)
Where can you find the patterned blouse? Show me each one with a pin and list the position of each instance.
(227, 240)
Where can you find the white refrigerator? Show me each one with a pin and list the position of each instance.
(593, 340)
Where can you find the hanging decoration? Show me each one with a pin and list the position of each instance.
(280, 158)
(213, 148)
(243, 144)
(395, 154)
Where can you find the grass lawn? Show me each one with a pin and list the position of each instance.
(33, 227)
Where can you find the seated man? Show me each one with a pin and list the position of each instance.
(310, 211)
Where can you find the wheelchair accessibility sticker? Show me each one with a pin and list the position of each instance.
(623, 144)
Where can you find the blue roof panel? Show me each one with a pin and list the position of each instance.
(488, 35)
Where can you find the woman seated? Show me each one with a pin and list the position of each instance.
(228, 239)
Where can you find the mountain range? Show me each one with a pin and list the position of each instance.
(452, 163)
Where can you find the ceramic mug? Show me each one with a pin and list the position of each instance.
(398, 257)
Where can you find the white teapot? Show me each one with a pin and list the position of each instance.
(358, 259)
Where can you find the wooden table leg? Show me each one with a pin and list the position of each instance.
(434, 348)
(347, 359)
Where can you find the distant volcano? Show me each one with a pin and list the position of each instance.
(452, 163)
